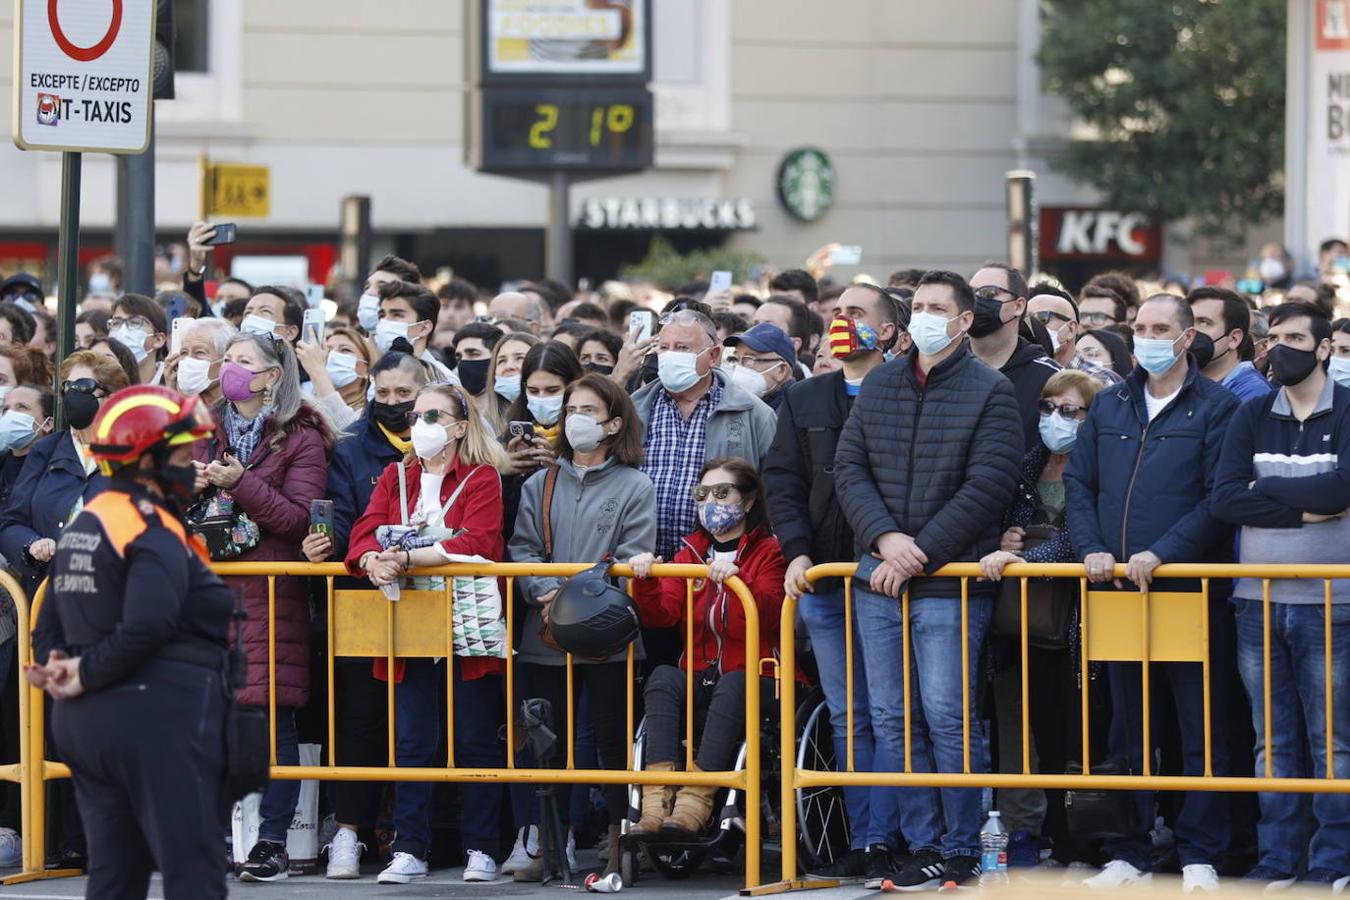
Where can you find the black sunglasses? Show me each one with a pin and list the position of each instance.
(82, 386)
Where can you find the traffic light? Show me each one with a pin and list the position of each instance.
(164, 61)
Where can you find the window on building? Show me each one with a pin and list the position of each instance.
(191, 22)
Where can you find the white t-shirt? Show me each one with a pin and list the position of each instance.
(1157, 405)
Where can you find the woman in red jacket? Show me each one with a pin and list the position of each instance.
(454, 499)
(733, 539)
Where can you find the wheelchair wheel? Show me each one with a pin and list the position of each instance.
(822, 821)
(628, 866)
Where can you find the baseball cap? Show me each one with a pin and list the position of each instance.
(766, 338)
(21, 282)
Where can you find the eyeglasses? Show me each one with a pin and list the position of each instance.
(1046, 316)
(719, 491)
(759, 363)
(432, 417)
(29, 296)
(1097, 318)
(82, 386)
(991, 292)
(140, 322)
(1067, 410)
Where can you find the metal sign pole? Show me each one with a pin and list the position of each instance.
(68, 265)
(558, 242)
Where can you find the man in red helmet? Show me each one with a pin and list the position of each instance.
(133, 639)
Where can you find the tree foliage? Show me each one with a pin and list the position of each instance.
(1186, 99)
(667, 267)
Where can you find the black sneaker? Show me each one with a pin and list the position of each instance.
(878, 866)
(923, 872)
(267, 861)
(960, 872)
(849, 868)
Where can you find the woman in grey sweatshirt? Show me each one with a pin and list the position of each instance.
(601, 506)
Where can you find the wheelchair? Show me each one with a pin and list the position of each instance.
(823, 830)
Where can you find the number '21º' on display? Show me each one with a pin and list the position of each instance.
(587, 129)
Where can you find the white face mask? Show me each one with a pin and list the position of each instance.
(256, 324)
(750, 380)
(428, 439)
(133, 339)
(1339, 370)
(389, 331)
(368, 312)
(583, 432)
(929, 332)
(194, 375)
(4, 392)
(1272, 270)
(100, 283)
(17, 429)
(545, 409)
(342, 368)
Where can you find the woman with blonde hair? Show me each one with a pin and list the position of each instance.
(452, 494)
(339, 373)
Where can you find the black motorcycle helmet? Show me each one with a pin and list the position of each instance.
(592, 618)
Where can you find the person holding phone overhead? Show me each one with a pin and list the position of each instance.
(268, 461)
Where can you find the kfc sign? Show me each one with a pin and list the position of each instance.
(1071, 233)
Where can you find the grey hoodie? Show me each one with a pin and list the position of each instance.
(605, 510)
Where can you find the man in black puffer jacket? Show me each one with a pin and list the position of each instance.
(926, 465)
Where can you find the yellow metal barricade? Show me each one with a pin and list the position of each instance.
(31, 867)
(1114, 625)
(362, 623)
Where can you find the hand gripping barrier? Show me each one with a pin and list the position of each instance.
(1115, 626)
(417, 626)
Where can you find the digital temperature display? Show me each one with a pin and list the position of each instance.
(576, 129)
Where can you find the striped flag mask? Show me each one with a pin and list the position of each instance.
(848, 335)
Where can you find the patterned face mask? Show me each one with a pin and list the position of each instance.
(720, 518)
(848, 336)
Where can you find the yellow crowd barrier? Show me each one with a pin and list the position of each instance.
(417, 626)
(1114, 625)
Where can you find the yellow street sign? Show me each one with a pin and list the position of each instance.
(234, 189)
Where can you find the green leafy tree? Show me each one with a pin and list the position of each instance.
(1186, 99)
(667, 267)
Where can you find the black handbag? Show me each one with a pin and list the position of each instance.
(1094, 813)
(248, 757)
(1051, 602)
(227, 530)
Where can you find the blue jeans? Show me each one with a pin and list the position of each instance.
(417, 731)
(823, 614)
(1298, 693)
(935, 720)
(277, 807)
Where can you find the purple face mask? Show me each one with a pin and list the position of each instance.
(719, 518)
(236, 382)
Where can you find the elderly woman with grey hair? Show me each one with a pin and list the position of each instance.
(195, 368)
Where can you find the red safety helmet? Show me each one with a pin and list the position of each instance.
(136, 420)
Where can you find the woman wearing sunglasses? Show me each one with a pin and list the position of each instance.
(733, 538)
(453, 496)
(59, 475)
(1036, 531)
(268, 459)
(599, 506)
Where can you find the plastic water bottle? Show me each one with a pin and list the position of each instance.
(993, 851)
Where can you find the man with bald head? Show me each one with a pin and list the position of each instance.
(515, 305)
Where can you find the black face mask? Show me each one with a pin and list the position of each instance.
(473, 374)
(988, 317)
(1202, 348)
(599, 369)
(1291, 366)
(393, 416)
(178, 483)
(81, 408)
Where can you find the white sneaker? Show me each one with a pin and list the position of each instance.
(1116, 874)
(572, 852)
(11, 848)
(402, 869)
(1199, 877)
(344, 855)
(480, 867)
(524, 851)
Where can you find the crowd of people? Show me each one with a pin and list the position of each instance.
(936, 418)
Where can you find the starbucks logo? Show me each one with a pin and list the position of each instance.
(806, 183)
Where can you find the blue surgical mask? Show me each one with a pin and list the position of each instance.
(368, 312)
(17, 430)
(507, 387)
(342, 368)
(1339, 370)
(545, 410)
(678, 370)
(1156, 355)
(1058, 433)
(929, 332)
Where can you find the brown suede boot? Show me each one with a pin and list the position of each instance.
(615, 854)
(656, 801)
(693, 809)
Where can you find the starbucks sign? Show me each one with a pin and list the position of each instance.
(806, 183)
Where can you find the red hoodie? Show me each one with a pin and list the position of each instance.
(719, 620)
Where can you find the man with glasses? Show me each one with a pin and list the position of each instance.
(1000, 303)
(765, 363)
(1100, 306)
(1138, 491)
(1055, 308)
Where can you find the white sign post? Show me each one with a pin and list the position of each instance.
(83, 82)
